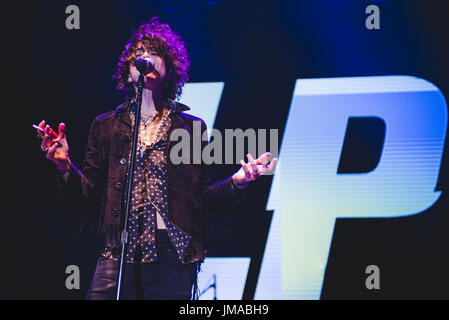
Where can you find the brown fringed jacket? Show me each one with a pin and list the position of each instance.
(100, 185)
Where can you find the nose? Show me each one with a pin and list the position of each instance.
(145, 55)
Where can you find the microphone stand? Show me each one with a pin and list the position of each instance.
(124, 235)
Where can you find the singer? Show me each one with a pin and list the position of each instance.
(169, 202)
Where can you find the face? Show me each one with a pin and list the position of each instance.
(153, 79)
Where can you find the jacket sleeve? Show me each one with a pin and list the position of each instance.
(80, 194)
(221, 195)
(86, 184)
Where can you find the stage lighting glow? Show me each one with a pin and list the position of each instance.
(307, 194)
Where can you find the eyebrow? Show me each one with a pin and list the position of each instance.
(142, 50)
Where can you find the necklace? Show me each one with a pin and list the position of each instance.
(151, 138)
(147, 119)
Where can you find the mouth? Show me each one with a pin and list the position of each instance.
(152, 75)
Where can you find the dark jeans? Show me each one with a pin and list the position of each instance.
(167, 279)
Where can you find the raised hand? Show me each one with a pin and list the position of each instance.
(254, 168)
(56, 148)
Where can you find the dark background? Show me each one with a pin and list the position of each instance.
(258, 48)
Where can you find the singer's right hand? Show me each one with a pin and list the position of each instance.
(57, 149)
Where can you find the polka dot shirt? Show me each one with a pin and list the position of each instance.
(149, 197)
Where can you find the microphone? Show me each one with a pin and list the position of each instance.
(144, 65)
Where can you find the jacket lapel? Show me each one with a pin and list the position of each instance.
(122, 113)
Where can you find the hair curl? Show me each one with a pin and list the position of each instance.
(159, 37)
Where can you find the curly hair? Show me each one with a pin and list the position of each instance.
(159, 37)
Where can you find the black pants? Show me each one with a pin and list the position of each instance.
(167, 279)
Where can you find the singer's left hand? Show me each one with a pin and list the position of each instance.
(254, 168)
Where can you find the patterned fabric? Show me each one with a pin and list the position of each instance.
(98, 186)
(149, 197)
